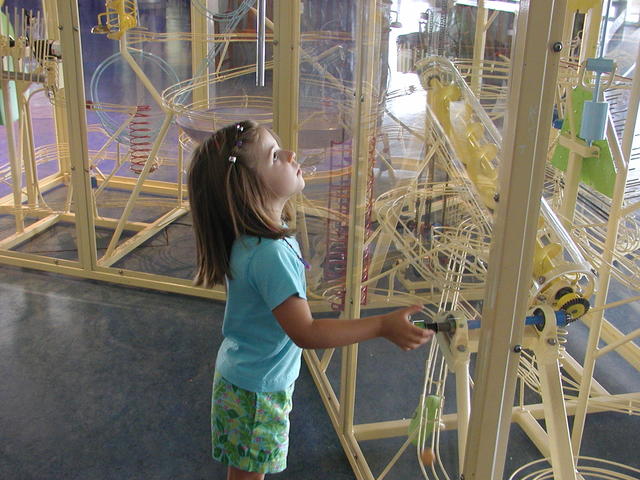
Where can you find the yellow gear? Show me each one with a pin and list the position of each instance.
(575, 305)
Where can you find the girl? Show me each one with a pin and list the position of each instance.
(240, 181)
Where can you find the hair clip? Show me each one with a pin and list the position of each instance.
(232, 159)
(239, 130)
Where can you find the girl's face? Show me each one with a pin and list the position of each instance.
(277, 168)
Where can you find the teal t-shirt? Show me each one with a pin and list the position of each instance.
(256, 353)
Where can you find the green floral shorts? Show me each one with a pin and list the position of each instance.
(250, 430)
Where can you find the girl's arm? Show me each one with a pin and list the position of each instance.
(294, 316)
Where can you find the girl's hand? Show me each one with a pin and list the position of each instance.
(397, 328)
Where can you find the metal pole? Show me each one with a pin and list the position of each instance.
(14, 162)
(604, 272)
(367, 27)
(77, 122)
(479, 45)
(547, 354)
(286, 72)
(50, 16)
(531, 96)
(199, 27)
(261, 40)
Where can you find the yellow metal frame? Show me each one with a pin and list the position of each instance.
(531, 102)
(74, 172)
(482, 420)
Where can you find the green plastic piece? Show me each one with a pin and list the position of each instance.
(431, 406)
(597, 172)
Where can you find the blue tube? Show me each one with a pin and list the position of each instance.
(594, 121)
(562, 319)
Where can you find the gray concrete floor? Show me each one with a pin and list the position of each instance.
(102, 381)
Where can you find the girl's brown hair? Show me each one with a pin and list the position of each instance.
(228, 199)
